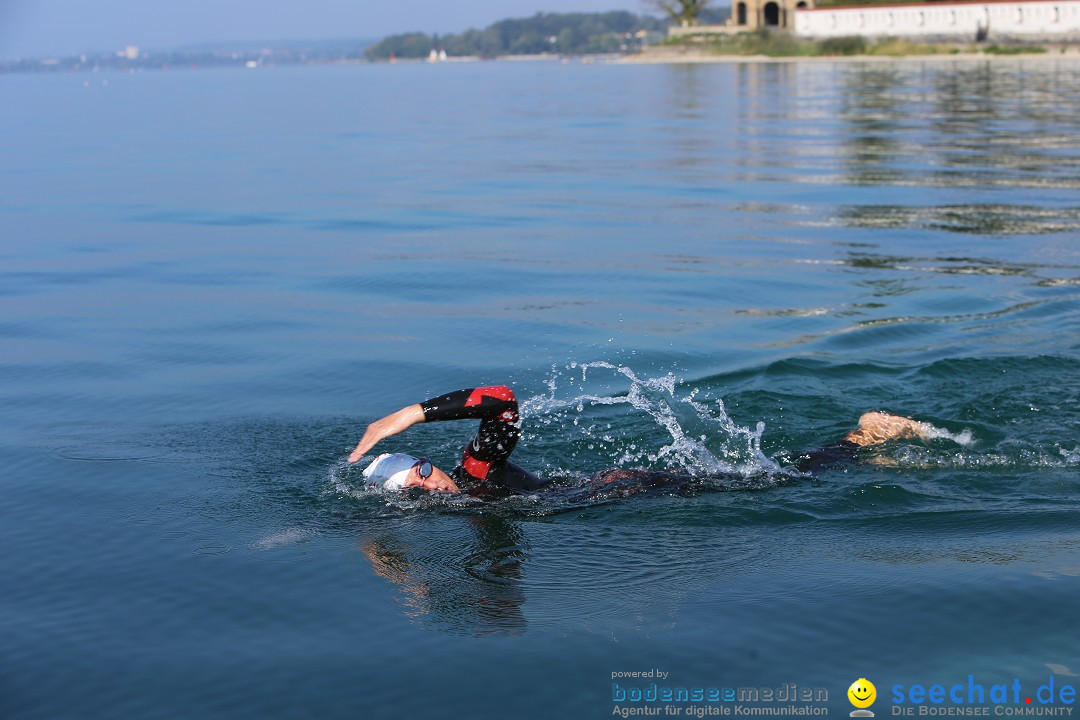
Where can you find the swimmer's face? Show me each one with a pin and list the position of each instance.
(862, 693)
(439, 480)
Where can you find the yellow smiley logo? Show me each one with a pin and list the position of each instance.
(862, 693)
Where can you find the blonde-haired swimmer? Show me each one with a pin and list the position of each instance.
(874, 428)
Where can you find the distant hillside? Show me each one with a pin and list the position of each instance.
(562, 33)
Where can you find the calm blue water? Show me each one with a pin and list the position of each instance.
(211, 281)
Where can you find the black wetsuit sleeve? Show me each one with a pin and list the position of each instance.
(843, 452)
(486, 457)
(481, 403)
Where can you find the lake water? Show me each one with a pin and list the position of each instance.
(211, 281)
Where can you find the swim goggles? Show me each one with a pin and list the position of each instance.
(423, 468)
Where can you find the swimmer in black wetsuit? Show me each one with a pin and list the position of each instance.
(485, 466)
(485, 462)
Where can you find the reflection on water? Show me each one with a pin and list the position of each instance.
(973, 125)
(977, 218)
(469, 582)
(873, 110)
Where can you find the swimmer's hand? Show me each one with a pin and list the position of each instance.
(392, 424)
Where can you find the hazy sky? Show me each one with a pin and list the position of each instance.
(56, 27)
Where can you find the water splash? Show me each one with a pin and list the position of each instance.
(716, 445)
(965, 437)
(342, 482)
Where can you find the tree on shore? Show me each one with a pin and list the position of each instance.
(684, 12)
(562, 33)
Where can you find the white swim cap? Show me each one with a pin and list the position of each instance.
(389, 471)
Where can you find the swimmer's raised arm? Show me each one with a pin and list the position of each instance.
(392, 424)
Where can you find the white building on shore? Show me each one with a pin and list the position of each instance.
(967, 20)
(960, 19)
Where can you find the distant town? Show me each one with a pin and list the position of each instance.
(133, 58)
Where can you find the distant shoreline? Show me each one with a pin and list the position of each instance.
(656, 55)
(659, 55)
